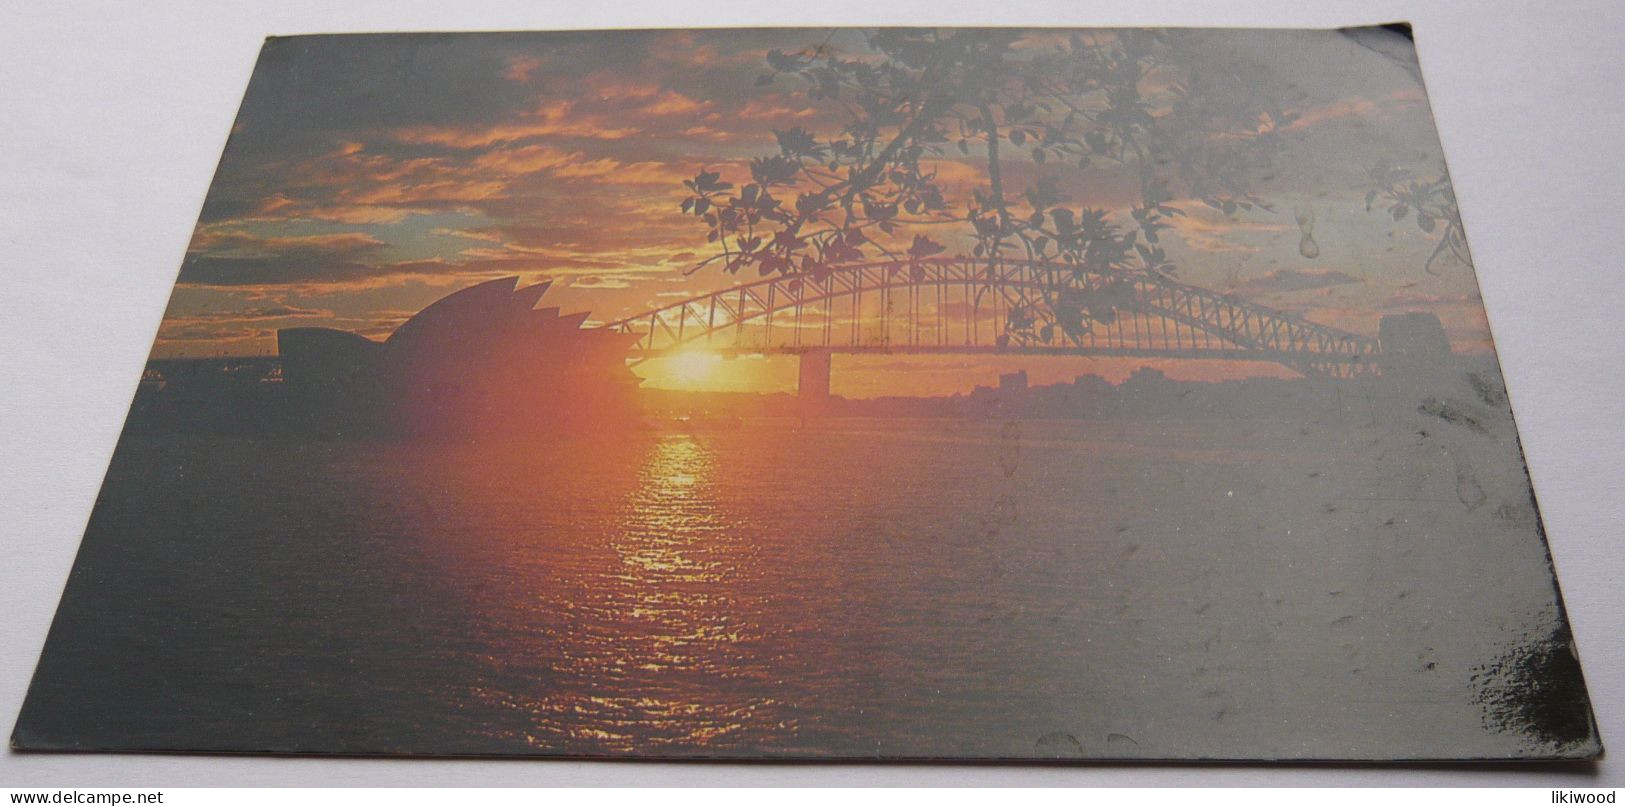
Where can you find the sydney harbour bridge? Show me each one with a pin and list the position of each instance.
(969, 306)
(949, 306)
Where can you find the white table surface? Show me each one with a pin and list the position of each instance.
(112, 116)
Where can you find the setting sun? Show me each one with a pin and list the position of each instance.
(694, 368)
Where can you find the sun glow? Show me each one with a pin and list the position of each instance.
(694, 368)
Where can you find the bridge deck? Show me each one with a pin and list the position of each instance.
(960, 306)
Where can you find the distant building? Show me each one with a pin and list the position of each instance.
(1147, 376)
(1092, 384)
(1013, 381)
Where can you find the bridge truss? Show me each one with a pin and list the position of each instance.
(962, 305)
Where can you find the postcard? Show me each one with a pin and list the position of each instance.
(823, 394)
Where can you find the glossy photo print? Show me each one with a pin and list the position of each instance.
(955, 394)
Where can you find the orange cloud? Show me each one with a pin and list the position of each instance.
(1355, 106)
(551, 120)
(524, 159)
(673, 103)
(521, 68)
(238, 241)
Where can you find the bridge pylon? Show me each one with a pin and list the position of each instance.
(812, 385)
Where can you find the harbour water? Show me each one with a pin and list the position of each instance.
(829, 588)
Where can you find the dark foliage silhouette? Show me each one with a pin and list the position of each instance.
(1430, 202)
(1142, 100)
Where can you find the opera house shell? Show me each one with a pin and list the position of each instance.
(482, 360)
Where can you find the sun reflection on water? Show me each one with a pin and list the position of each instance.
(668, 624)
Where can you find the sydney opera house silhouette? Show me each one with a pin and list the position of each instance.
(484, 360)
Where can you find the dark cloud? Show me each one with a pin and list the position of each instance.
(1287, 280)
(268, 312)
(325, 85)
(277, 270)
(240, 259)
(1404, 300)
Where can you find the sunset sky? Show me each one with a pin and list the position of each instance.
(367, 176)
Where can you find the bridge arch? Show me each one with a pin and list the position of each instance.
(962, 305)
